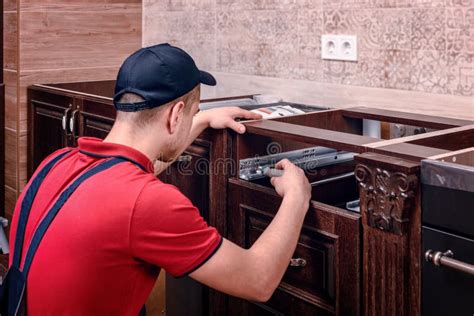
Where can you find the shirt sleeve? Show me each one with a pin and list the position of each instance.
(166, 230)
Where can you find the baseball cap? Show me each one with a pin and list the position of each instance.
(159, 74)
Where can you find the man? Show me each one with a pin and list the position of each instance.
(105, 248)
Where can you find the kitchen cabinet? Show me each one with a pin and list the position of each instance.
(347, 262)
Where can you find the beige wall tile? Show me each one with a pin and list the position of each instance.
(460, 29)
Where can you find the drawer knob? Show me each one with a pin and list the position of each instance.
(297, 262)
(185, 158)
(446, 259)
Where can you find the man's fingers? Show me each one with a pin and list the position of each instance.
(236, 126)
(248, 115)
(283, 164)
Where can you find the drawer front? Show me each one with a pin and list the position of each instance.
(315, 280)
(329, 243)
(446, 291)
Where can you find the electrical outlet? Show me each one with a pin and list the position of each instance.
(339, 47)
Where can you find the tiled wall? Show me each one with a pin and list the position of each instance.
(424, 46)
(58, 41)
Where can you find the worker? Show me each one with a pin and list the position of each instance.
(94, 226)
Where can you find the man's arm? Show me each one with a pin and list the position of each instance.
(256, 272)
(219, 118)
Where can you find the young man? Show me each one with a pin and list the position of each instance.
(104, 250)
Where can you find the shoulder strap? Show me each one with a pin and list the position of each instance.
(26, 204)
(65, 195)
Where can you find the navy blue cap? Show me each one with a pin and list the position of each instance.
(159, 74)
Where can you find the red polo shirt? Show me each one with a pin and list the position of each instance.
(104, 250)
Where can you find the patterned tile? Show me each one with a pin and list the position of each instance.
(263, 44)
(429, 71)
(459, 3)
(397, 69)
(179, 5)
(428, 3)
(368, 71)
(375, 28)
(339, 21)
(428, 29)
(365, 4)
(238, 5)
(193, 31)
(460, 29)
(460, 73)
(385, 29)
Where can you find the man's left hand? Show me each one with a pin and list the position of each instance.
(226, 118)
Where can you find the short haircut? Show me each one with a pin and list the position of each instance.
(144, 117)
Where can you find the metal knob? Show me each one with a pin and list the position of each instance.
(446, 259)
(185, 158)
(297, 262)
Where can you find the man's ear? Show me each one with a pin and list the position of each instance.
(175, 116)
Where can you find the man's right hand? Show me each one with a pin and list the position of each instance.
(293, 182)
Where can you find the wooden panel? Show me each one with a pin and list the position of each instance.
(452, 141)
(462, 157)
(92, 35)
(408, 151)
(11, 109)
(316, 136)
(11, 158)
(10, 201)
(413, 119)
(10, 5)
(10, 40)
(22, 161)
(330, 119)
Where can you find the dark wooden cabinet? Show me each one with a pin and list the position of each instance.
(51, 120)
(355, 263)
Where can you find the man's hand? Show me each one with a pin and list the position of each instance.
(293, 182)
(225, 117)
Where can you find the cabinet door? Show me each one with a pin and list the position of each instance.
(49, 114)
(96, 119)
(324, 277)
(191, 176)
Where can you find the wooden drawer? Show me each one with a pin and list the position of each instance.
(329, 243)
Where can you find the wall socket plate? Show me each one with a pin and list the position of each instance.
(339, 47)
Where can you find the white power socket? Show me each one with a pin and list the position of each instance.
(339, 47)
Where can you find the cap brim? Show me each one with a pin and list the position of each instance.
(207, 79)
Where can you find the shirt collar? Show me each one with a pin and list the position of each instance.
(96, 147)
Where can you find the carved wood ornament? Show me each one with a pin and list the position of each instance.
(386, 197)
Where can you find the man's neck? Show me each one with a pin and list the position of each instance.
(145, 143)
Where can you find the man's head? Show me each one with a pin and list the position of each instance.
(158, 91)
(170, 122)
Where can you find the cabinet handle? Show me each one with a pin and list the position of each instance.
(72, 121)
(186, 158)
(439, 258)
(297, 262)
(64, 120)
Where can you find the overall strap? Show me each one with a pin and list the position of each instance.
(26, 204)
(51, 214)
